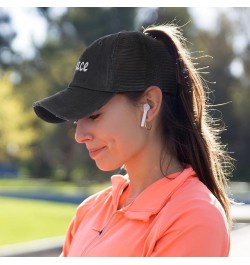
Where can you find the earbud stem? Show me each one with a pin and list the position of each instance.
(146, 108)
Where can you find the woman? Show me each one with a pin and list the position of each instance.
(140, 104)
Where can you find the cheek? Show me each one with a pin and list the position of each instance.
(124, 141)
(126, 132)
(120, 128)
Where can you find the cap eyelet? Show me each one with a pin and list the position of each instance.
(100, 42)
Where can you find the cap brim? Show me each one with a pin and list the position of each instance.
(72, 103)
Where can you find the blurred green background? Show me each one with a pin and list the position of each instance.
(40, 157)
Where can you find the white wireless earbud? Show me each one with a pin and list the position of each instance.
(146, 108)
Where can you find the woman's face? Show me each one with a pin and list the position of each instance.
(112, 134)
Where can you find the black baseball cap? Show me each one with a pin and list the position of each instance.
(121, 62)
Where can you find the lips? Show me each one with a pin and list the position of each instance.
(94, 152)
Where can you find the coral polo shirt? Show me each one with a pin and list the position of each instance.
(175, 216)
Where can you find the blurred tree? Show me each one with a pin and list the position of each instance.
(7, 35)
(230, 88)
(239, 91)
(16, 134)
(162, 15)
(92, 23)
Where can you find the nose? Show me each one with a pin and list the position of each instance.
(82, 134)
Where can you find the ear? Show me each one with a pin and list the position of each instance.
(153, 96)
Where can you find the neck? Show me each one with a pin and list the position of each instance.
(146, 169)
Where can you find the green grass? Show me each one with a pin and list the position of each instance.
(25, 220)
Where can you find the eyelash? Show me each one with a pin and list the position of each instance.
(94, 117)
(91, 117)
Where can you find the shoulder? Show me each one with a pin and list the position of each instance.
(194, 214)
(193, 204)
(194, 193)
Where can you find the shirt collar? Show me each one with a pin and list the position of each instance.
(153, 198)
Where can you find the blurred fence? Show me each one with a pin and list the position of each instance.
(240, 234)
(49, 247)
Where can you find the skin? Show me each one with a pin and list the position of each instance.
(113, 137)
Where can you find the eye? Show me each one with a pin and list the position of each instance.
(94, 117)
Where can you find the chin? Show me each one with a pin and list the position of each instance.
(106, 167)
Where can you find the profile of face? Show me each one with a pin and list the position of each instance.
(113, 135)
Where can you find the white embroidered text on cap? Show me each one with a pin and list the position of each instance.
(81, 66)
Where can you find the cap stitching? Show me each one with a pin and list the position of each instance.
(112, 63)
(153, 58)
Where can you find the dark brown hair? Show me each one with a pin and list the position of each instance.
(190, 133)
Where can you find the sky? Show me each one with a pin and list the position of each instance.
(28, 33)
